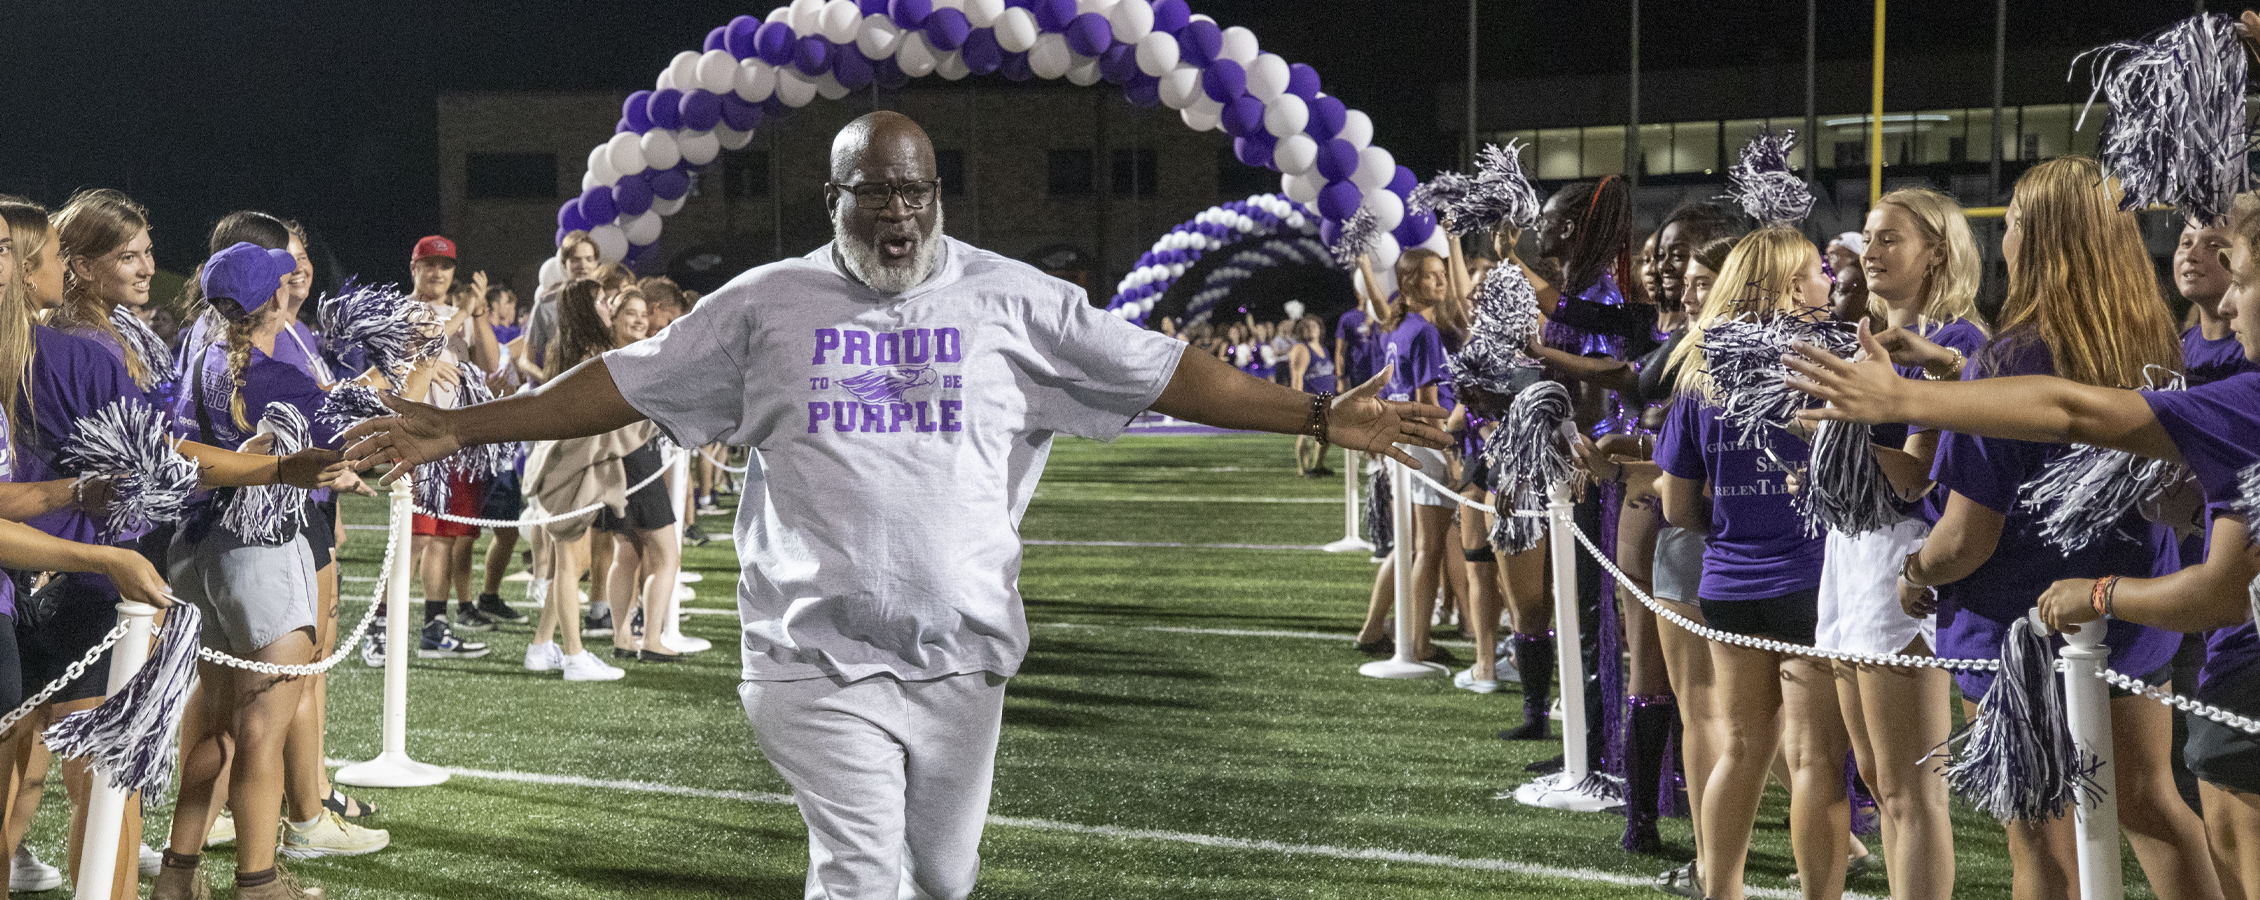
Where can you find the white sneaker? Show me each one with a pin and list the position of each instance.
(584, 666)
(1467, 681)
(679, 644)
(685, 593)
(26, 874)
(332, 835)
(223, 830)
(544, 657)
(150, 862)
(373, 650)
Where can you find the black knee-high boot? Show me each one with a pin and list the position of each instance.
(1534, 659)
(1649, 733)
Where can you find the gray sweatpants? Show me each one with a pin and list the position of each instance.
(891, 776)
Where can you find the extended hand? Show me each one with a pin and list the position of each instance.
(308, 468)
(135, 578)
(1916, 600)
(1864, 391)
(1360, 420)
(418, 434)
(2068, 604)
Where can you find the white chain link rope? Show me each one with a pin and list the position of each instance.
(666, 462)
(69, 675)
(345, 645)
(719, 464)
(1463, 501)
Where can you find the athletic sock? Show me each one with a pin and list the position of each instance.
(434, 609)
(255, 879)
(308, 824)
(183, 860)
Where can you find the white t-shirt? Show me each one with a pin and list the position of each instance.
(896, 442)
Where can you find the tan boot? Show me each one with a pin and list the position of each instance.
(283, 887)
(178, 881)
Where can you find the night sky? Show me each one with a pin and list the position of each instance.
(324, 111)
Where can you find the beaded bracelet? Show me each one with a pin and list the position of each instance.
(1321, 404)
(2100, 597)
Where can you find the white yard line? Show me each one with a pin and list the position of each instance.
(1172, 544)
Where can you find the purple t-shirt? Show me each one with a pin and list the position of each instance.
(1359, 344)
(2216, 427)
(1757, 548)
(1963, 335)
(2207, 361)
(71, 378)
(1993, 472)
(1416, 350)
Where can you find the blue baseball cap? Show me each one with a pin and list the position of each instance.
(239, 280)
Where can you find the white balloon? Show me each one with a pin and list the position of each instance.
(552, 272)
(1180, 86)
(731, 138)
(1385, 252)
(717, 71)
(1102, 7)
(626, 153)
(683, 70)
(588, 180)
(1285, 116)
(1085, 72)
(841, 20)
(1208, 110)
(1267, 77)
(1357, 128)
(666, 81)
(1438, 243)
(806, 17)
(1299, 188)
(611, 242)
(659, 150)
(878, 37)
(1050, 58)
(1016, 30)
(600, 164)
(1202, 17)
(1200, 119)
(914, 55)
(643, 229)
(958, 5)
(795, 90)
(1157, 53)
(756, 81)
(666, 207)
(1375, 168)
(778, 15)
(952, 66)
(983, 13)
(1131, 21)
(1388, 208)
(830, 88)
(1239, 45)
(700, 147)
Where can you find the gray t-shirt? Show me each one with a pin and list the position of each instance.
(541, 325)
(895, 444)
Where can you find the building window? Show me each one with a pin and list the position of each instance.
(745, 175)
(1072, 173)
(1134, 171)
(1851, 154)
(949, 166)
(510, 176)
(1957, 149)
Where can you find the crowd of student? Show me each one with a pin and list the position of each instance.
(1293, 352)
(1701, 514)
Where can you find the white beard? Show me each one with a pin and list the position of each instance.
(864, 262)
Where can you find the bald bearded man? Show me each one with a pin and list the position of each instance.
(899, 391)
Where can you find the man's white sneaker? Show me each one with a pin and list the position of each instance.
(223, 830)
(331, 835)
(1467, 681)
(150, 862)
(584, 666)
(26, 874)
(544, 657)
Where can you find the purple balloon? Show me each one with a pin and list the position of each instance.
(981, 52)
(1171, 15)
(665, 108)
(670, 184)
(1337, 159)
(1339, 200)
(1255, 148)
(701, 110)
(636, 110)
(1329, 232)
(744, 116)
(1199, 42)
(872, 7)
(1118, 63)
(884, 73)
(1326, 117)
(715, 38)
(1403, 182)
(632, 195)
(1089, 34)
(1243, 117)
(851, 69)
(1015, 67)
(569, 217)
(946, 29)
(1415, 229)
(560, 238)
(622, 127)
(739, 38)
(1143, 90)
(597, 206)
(774, 43)
(1302, 81)
(1053, 15)
(910, 13)
(812, 55)
(1223, 80)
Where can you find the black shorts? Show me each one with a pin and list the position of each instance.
(80, 610)
(505, 500)
(649, 507)
(320, 532)
(2222, 756)
(1790, 618)
(11, 665)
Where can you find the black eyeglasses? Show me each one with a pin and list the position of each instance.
(876, 195)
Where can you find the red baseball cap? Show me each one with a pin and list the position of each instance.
(433, 246)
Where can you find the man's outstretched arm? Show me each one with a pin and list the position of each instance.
(1207, 390)
(581, 403)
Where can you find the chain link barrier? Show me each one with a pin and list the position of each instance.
(666, 462)
(345, 645)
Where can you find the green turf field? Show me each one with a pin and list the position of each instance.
(1149, 751)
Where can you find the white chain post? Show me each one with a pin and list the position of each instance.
(393, 767)
(1406, 663)
(2087, 705)
(1350, 542)
(1570, 789)
(106, 809)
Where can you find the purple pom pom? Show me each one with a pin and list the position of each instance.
(700, 110)
(598, 207)
(1199, 42)
(632, 194)
(1089, 34)
(946, 29)
(636, 111)
(775, 42)
(665, 108)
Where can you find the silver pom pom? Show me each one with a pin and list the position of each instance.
(272, 513)
(1763, 183)
(393, 329)
(129, 443)
(2177, 133)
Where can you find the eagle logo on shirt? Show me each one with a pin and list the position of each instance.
(887, 383)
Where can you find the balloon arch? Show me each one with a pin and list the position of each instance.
(755, 71)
